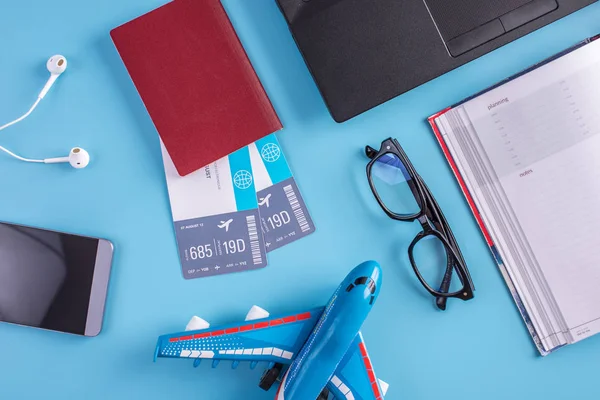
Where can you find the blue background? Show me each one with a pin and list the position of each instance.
(478, 349)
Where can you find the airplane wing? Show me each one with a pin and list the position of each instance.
(273, 339)
(355, 377)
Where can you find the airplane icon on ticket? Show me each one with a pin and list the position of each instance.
(225, 224)
(265, 200)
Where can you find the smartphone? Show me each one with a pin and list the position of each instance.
(53, 280)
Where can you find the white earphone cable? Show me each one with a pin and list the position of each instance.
(21, 118)
(78, 158)
(19, 157)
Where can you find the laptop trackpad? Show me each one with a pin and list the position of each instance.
(467, 24)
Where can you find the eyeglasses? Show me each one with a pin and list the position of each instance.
(434, 253)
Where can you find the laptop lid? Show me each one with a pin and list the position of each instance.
(363, 53)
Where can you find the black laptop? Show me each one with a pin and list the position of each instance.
(362, 53)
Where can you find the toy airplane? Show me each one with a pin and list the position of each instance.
(323, 347)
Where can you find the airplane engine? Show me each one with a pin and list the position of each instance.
(197, 324)
(256, 313)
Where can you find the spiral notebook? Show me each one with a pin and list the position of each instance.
(525, 153)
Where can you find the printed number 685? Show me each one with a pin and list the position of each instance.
(200, 252)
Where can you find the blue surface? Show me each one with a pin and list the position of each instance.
(474, 350)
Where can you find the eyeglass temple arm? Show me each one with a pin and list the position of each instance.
(439, 221)
(440, 302)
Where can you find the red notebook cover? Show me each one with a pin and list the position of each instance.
(196, 81)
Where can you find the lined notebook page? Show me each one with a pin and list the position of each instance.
(538, 140)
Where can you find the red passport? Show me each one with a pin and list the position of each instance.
(196, 81)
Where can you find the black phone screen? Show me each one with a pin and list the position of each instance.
(45, 278)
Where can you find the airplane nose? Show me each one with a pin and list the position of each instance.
(371, 269)
(367, 278)
(376, 275)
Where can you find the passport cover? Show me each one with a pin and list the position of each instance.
(196, 81)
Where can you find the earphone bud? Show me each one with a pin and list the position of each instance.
(78, 158)
(56, 65)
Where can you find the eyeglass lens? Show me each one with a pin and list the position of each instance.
(394, 185)
(431, 259)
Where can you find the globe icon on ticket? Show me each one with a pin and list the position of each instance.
(270, 152)
(242, 179)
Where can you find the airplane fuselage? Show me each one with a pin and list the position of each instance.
(333, 334)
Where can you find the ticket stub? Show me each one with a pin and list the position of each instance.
(216, 217)
(283, 213)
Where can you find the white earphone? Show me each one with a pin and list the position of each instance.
(56, 65)
(78, 157)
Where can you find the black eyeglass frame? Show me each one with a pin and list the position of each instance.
(432, 222)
